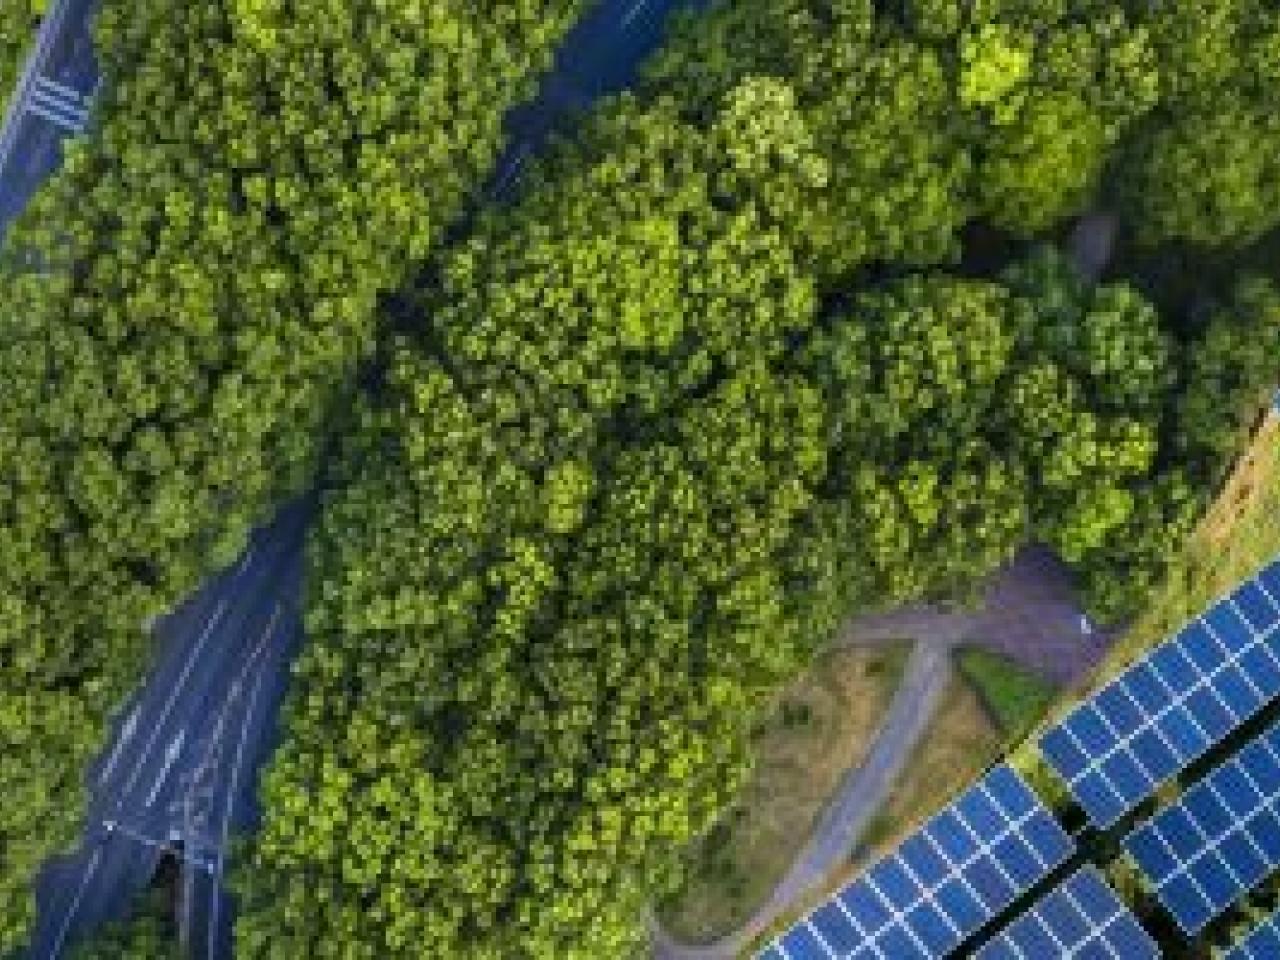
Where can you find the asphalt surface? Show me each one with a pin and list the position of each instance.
(182, 761)
(599, 56)
(50, 102)
(180, 771)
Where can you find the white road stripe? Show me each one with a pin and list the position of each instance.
(210, 625)
(75, 902)
(220, 863)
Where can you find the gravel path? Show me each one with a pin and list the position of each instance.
(1027, 613)
(860, 795)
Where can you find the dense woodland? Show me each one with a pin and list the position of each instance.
(183, 307)
(727, 370)
(785, 333)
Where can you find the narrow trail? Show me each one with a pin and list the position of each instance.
(1027, 612)
(862, 792)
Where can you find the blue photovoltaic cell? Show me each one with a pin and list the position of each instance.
(1081, 917)
(1260, 943)
(1229, 627)
(1270, 579)
(836, 928)
(1165, 711)
(1251, 600)
(960, 870)
(1219, 840)
(800, 943)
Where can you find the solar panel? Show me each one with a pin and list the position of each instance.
(1260, 943)
(1219, 840)
(958, 871)
(1082, 917)
(1166, 710)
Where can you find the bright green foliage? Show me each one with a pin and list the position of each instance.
(968, 414)
(996, 61)
(1205, 169)
(1232, 364)
(1212, 177)
(647, 435)
(655, 428)
(1052, 104)
(1016, 697)
(880, 112)
(579, 554)
(1088, 409)
(1006, 110)
(911, 375)
(182, 307)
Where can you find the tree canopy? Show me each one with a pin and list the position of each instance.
(183, 306)
(1204, 168)
(648, 434)
(615, 459)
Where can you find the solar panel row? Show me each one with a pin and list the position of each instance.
(1082, 917)
(959, 871)
(1260, 943)
(1169, 708)
(1219, 840)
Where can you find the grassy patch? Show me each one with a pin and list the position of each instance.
(1015, 697)
(962, 739)
(823, 725)
(960, 742)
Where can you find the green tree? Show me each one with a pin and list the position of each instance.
(1204, 168)
(148, 934)
(184, 306)
(574, 529)
(1231, 371)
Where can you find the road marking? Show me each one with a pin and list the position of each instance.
(126, 734)
(75, 902)
(189, 831)
(210, 625)
(170, 758)
(51, 30)
(220, 862)
(59, 104)
(635, 11)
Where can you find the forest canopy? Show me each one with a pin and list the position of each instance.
(182, 308)
(784, 333)
(729, 368)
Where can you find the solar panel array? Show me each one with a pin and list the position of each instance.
(1219, 840)
(1169, 708)
(1081, 917)
(1261, 943)
(957, 872)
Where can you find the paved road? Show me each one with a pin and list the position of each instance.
(50, 101)
(1092, 243)
(1028, 612)
(181, 767)
(599, 56)
(186, 745)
